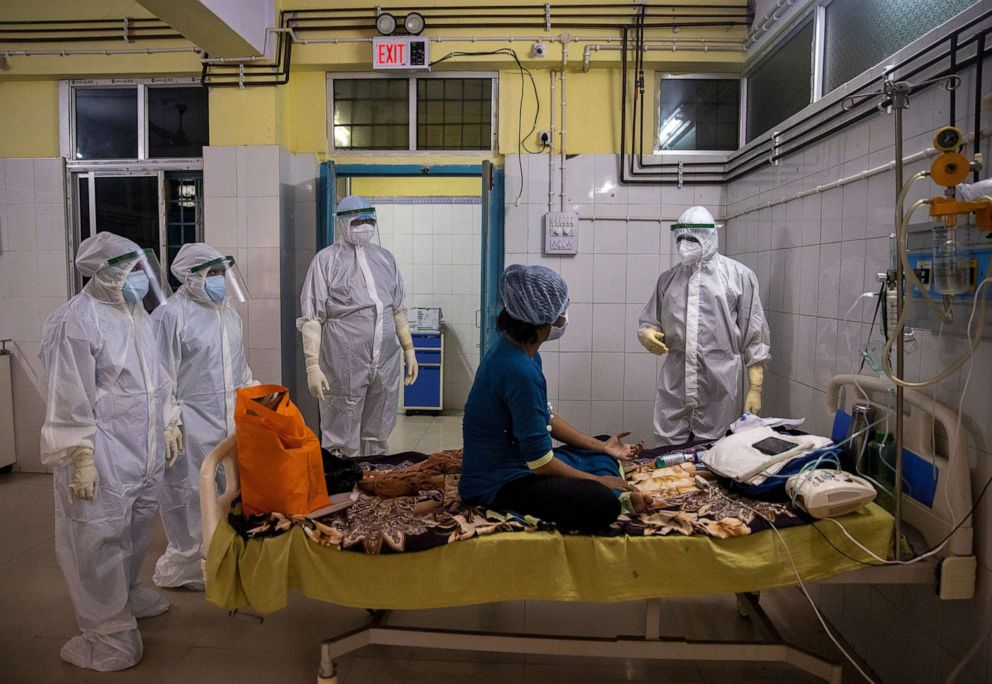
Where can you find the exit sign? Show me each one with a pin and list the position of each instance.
(401, 52)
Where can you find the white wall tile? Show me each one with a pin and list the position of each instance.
(607, 376)
(423, 249)
(578, 337)
(643, 237)
(262, 170)
(575, 372)
(423, 215)
(262, 221)
(609, 283)
(49, 181)
(829, 283)
(575, 412)
(607, 188)
(611, 237)
(19, 181)
(577, 271)
(852, 270)
(262, 270)
(642, 276)
(580, 176)
(640, 376)
(638, 417)
(220, 171)
(263, 323)
(17, 228)
(606, 417)
(608, 330)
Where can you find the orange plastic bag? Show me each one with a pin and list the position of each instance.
(278, 455)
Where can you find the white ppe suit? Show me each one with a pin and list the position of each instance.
(354, 289)
(202, 352)
(106, 392)
(709, 309)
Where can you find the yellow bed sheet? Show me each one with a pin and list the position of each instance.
(530, 565)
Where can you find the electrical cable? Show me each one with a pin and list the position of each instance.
(521, 145)
(802, 585)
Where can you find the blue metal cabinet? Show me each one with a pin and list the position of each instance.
(427, 393)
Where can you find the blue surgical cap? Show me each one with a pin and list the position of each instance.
(533, 294)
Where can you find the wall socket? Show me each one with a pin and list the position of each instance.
(544, 138)
(538, 50)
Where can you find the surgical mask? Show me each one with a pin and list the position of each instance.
(690, 251)
(216, 287)
(135, 287)
(361, 233)
(557, 332)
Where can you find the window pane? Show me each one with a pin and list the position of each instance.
(694, 111)
(177, 122)
(106, 123)
(128, 206)
(780, 85)
(454, 113)
(368, 112)
(861, 33)
(184, 211)
(83, 185)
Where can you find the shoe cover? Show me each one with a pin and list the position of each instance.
(172, 572)
(104, 652)
(146, 602)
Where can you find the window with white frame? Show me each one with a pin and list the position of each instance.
(430, 112)
(698, 112)
(133, 152)
(128, 120)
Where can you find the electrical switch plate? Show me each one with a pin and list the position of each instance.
(561, 232)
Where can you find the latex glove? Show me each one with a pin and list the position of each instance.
(406, 341)
(755, 378)
(653, 340)
(316, 380)
(173, 444)
(85, 479)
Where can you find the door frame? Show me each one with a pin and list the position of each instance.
(491, 191)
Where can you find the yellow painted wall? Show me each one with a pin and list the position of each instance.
(295, 115)
(29, 118)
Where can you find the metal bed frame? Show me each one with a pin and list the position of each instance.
(773, 648)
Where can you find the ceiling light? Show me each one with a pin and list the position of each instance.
(385, 24)
(414, 24)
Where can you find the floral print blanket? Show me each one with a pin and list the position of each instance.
(409, 502)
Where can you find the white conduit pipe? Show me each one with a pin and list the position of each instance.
(841, 182)
(551, 148)
(589, 49)
(564, 67)
(68, 53)
(770, 19)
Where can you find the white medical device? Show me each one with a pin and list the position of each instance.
(827, 493)
(561, 232)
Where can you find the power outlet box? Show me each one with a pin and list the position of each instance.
(957, 578)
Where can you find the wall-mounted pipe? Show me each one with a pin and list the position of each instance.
(108, 52)
(660, 47)
(847, 180)
(561, 162)
(763, 25)
(551, 146)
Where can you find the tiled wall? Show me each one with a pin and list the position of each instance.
(33, 283)
(599, 377)
(259, 207)
(437, 244)
(813, 257)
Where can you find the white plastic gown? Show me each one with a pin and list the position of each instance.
(203, 353)
(106, 391)
(714, 326)
(354, 290)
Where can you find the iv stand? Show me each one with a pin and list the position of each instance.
(895, 96)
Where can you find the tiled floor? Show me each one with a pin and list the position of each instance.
(197, 642)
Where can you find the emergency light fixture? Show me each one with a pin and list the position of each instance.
(385, 24)
(414, 23)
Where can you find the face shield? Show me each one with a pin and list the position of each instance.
(144, 282)
(223, 280)
(357, 226)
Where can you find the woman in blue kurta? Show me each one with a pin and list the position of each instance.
(508, 462)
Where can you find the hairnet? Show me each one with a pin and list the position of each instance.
(95, 251)
(191, 255)
(533, 294)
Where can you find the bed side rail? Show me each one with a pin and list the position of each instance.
(213, 508)
(953, 499)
